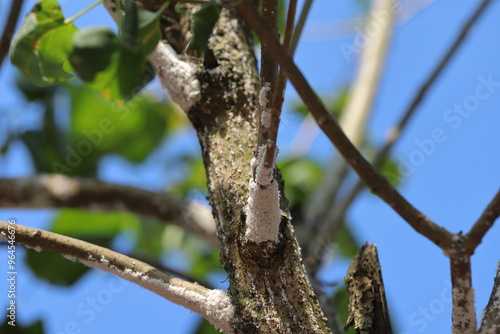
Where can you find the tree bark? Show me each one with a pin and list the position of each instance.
(268, 285)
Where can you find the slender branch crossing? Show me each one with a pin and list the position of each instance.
(214, 305)
(58, 191)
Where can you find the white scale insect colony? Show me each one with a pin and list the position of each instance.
(263, 212)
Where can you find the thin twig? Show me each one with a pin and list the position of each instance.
(427, 85)
(58, 191)
(279, 91)
(268, 77)
(10, 26)
(483, 224)
(214, 305)
(299, 27)
(377, 183)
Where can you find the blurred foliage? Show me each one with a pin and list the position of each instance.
(335, 105)
(346, 242)
(41, 45)
(48, 47)
(340, 300)
(34, 328)
(301, 178)
(54, 268)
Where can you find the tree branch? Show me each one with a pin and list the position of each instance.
(300, 25)
(368, 311)
(483, 224)
(338, 212)
(491, 321)
(47, 191)
(10, 26)
(377, 183)
(463, 309)
(355, 115)
(214, 305)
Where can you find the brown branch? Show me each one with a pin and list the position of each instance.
(10, 25)
(378, 184)
(58, 191)
(483, 224)
(279, 91)
(268, 76)
(368, 311)
(356, 113)
(428, 84)
(214, 305)
(463, 309)
(300, 25)
(491, 319)
(338, 212)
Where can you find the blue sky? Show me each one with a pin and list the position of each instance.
(452, 180)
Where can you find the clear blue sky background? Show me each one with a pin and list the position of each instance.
(452, 184)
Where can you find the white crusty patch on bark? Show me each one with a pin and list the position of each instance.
(177, 76)
(265, 116)
(262, 210)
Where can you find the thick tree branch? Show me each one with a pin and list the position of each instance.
(378, 184)
(490, 323)
(483, 224)
(214, 305)
(10, 25)
(58, 191)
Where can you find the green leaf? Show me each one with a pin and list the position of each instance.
(204, 21)
(85, 224)
(54, 268)
(204, 261)
(301, 177)
(106, 65)
(149, 241)
(346, 242)
(41, 46)
(204, 327)
(94, 50)
(390, 170)
(140, 28)
(132, 131)
(195, 180)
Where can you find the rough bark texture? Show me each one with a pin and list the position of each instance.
(368, 311)
(268, 284)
